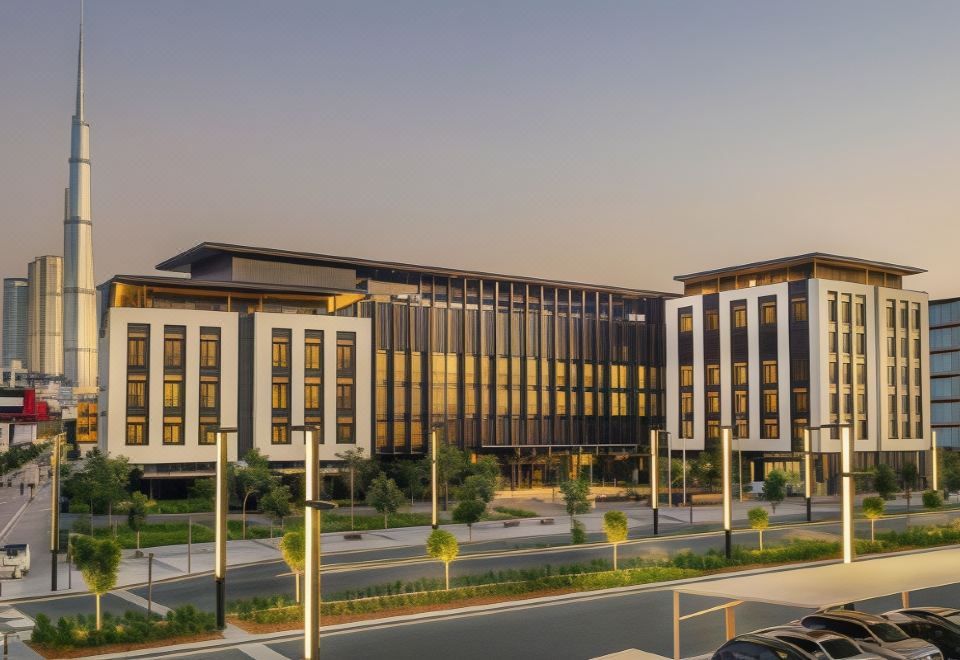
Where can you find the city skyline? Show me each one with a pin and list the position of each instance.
(375, 148)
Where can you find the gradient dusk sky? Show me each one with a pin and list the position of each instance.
(608, 142)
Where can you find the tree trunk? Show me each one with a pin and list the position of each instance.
(138, 539)
(110, 512)
(614, 556)
(446, 495)
(872, 537)
(470, 532)
(760, 532)
(97, 596)
(296, 578)
(243, 514)
(384, 521)
(446, 574)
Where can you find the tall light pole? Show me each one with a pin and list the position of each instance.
(222, 501)
(727, 494)
(433, 478)
(933, 458)
(807, 471)
(55, 510)
(846, 471)
(684, 461)
(655, 479)
(669, 469)
(311, 533)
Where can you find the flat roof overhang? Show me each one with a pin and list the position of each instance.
(183, 262)
(819, 257)
(835, 584)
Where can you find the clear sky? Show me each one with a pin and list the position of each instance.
(610, 142)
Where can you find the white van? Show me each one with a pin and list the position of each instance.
(16, 557)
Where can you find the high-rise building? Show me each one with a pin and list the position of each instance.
(79, 290)
(15, 322)
(45, 316)
(811, 342)
(945, 371)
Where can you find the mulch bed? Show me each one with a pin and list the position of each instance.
(87, 651)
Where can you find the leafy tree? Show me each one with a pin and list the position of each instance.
(469, 511)
(908, 475)
(873, 508)
(676, 472)
(884, 481)
(706, 470)
(576, 494)
(759, 520)
(950, 471)
(775, 488)
(292, 547)
(443, 545)
(932, 499)
(451, 463)
(98, 561)
(203, 489)
(353, 460)
(253, 478)
(102, 481)
(276, 503)
(478, 487)
(384, 496)
(616, 529)
(411, 473)
(137, 513)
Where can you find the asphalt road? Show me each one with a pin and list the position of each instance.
(574, 630)
(267, 578)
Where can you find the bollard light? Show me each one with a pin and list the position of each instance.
(220, 558)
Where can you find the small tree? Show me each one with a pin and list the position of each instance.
(950, 471)
(204, 490)
(576, 493)
(443, 545)
(615, 527)
(479, 487)
(932, 499)
(294, 554)
(873, 508)
(253, 479)
(775, 488)
(137, 514)
(276, 503)
(468, 512)
(354, 460)
(885, 481)
(908, 475)
(759, 520)
(98, 561)
(578, 533)
(384, 496)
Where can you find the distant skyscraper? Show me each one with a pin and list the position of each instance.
(15, 322)
(79, 294)
(45, 318)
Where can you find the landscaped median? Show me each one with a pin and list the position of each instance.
(78, 637)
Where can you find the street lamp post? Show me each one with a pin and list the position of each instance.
(311, 533)
(655, 479)
(807, 470)
(55, 511)
(669, 469)
(933, 458)
(846, 471)
(433, 478)
(684, 461)
(727, 495)
(220, 558)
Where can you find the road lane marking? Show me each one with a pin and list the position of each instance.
(261, 651)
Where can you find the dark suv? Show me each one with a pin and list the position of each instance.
(755, 647)
(942, 634)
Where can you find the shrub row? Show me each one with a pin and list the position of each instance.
(515, 513)
(132, 628)
(281, 610)
(168, 533)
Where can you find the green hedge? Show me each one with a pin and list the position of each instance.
(132, 628)
(515, 513)
(175, 533)
(339, 522)
(189, 505)
(281, 610)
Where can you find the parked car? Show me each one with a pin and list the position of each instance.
(944, 635)
(823, 644)
(873, 634)
(16, 558)
(942, 614)
(759, 647)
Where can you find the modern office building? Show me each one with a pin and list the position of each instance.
(45, 317)
(775, 347)
(376, 353)
(15, 323)
(945, 371)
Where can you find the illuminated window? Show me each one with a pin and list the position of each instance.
(209, 395)
(740, 373)
(769, 372)
(279, 395)
(136, 394)
(768, 313)
(712, 319)
(770, 401)
(281, 351)
(172, 394)
(740, 402)
(741, 429)
(686, 322)
(311, 396)
(137, 346)
(798, 309)
(173, 338)
(740, 316)
(173, 433)
(801, 401)
(771, 429)
(686, 403)
(713, 402)
(686, 376)
(313, 352)
(713, 374)
(136, 433)
(279, 433)
(209, 348)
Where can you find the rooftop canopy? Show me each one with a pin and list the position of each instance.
(831, 585)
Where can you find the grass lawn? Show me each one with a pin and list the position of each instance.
(174, 533)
